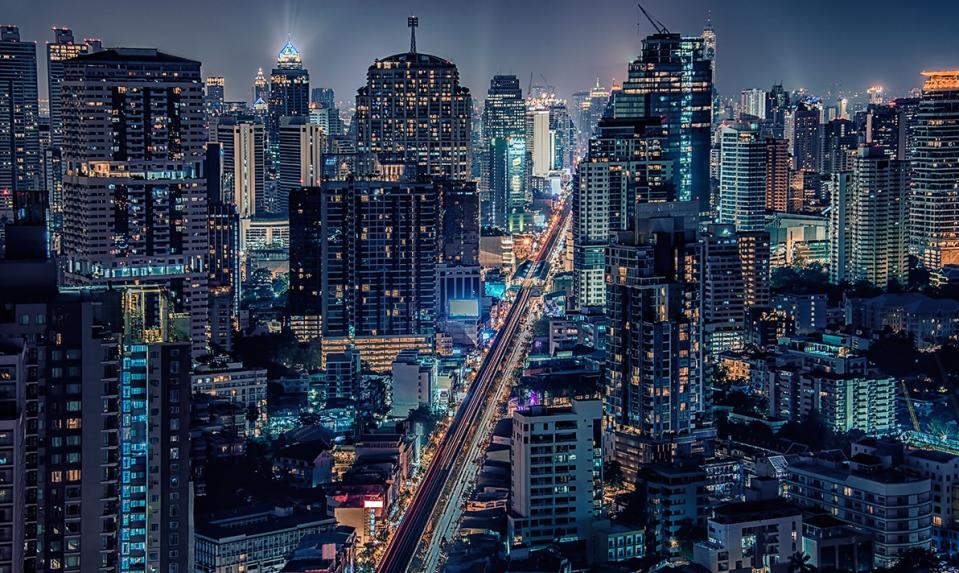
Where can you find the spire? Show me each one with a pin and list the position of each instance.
(413, 22)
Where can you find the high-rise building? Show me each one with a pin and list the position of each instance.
(363, 258)
(657, 405)
(672, 80)
(884, 126)
(244, 165)
(934, 202)
(214, 96)
(134, 190)
(868, 217)
(20, 157)
(413, 110)
(556, 484)
(625, 165)
(301, 146)
(840, 139)
(62, 48)
(777, 103)
(289, 90)
(807, 137)
(261, 88)
(752, 104)
(223, 258)
(155, 494)
(777, 174)
(742, 179)
(503, 176)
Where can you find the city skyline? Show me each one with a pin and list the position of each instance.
(834, 37)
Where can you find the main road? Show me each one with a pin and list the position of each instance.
(417, 519)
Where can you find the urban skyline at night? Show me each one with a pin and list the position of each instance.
(528, 287)
(817, 46)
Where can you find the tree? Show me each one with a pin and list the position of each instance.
(917, 560)
(799, 563)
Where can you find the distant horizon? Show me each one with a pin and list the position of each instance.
(850, 48)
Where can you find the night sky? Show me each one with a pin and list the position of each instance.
(816, 44)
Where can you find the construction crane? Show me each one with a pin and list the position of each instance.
(909, 406)
(657, 25)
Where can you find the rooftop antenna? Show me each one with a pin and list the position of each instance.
(413, 22)
(657, 25)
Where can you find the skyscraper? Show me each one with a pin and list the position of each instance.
(363, 258)
(777, 175)
(289, 90)
(135, 205)
(62, 48)
(742, 181)
(672, 80)
(807, 137)
(777, 103)
(934, 202)
(301, 146)
(885, 127)
(261, 88)
(19, 120)
(413, 110)
(625, 166)
(244, 164)
(214, 96)
(752, 103)
(155, 493)
(503, 178)
(656, 400)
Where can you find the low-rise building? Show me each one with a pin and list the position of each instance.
(328, 552)
(866, 492)
(749, 536)
(254, 538)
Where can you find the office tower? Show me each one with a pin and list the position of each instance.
(672, 80)
(261, 88)
(301, 146)
(934, 202)
(724, 305)
(62, 48)
(244, 165)
(136, 210)
(840, 140)
(413, 110)
(589, 107)
(806, 137)
(735, 280)
(908, 110)
(550, 135)
(155, 498)
(742, 179)
(625, 165)
(752, 104)
(363, 258)
(777, 102)
(656, 402)
(556, 483)
(777, 174)
(214, 96)
(20, 157)
(289, 90)
(876, 218)
(458, 273)
(223, 259)
(884, 126)
(503, 177)
(323, 105)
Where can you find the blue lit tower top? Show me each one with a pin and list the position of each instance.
(289, 57)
